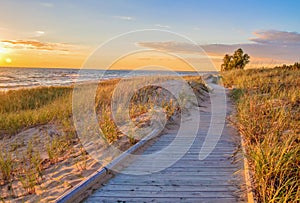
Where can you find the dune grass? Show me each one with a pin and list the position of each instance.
(268, 116)
(27, 108)
(21, 109)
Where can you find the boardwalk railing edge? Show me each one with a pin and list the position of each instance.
(94, 181)
(248, 179)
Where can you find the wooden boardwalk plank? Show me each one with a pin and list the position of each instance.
(163, 194)
(167, 188)
(158, 200)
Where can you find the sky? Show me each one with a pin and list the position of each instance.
(69, 33)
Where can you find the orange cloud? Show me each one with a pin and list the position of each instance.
(37, 45)
(34, 53)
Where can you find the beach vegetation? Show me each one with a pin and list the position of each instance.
(268, 115)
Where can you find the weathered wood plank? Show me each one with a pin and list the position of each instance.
(165, 188)
(195, 182)
(219, 167)
(183, 171)
(175, 178)
(170, 194)
(159, 200)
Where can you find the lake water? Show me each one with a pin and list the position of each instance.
(16, 78)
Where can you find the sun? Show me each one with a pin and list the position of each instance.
(3, 55)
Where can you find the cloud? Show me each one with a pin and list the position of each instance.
(39, 33)
(271, 44)
(276, 37)
(268, 47)
(163, 26)
(47, 4)
(36, 45)
(258, 50)
(124, 17)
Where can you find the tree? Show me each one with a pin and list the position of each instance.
(237, 61)
(226, 62)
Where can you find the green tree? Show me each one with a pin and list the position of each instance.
(237, 61)
(226, 62)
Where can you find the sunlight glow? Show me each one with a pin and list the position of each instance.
(8, 60)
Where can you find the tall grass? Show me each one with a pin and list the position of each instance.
(29, 107)
(6, 166)
(26, 99)
(30, 173)
(268, 116)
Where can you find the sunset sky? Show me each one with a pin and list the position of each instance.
(63, 33)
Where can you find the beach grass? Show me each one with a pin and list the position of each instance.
(268, 117)
(23, 108)
(26, 109)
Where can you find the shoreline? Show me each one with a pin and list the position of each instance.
(67, 77)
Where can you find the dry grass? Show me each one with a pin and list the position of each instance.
(24, 108)
(268, 116)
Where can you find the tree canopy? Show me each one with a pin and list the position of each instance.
(236, 61)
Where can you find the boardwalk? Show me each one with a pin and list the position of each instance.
(214, 179)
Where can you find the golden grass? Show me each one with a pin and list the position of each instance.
(268, 116)
(27, 108)
(21, 109)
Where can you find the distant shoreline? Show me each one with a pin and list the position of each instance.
(18, 78)
(99, 69)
